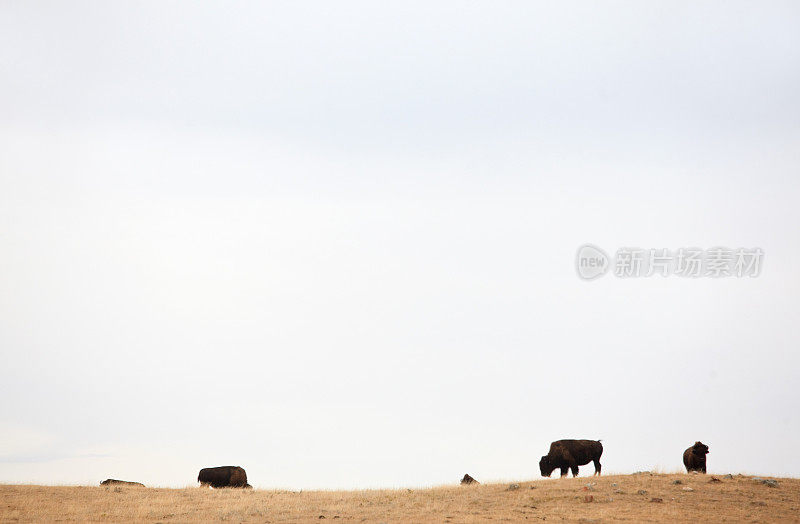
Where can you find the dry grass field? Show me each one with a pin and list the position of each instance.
(640, 497)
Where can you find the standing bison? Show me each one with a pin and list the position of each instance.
(223, 477)
(569, 454)
(694, 458)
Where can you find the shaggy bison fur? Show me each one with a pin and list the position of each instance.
(694, 458)
(569, 454)
(223, 477)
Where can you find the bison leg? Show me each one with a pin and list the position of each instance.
(574, 470)
(597, 467)
(564, 471)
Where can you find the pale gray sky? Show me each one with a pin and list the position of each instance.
(333, 242)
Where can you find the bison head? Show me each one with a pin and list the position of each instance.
(545, 467)
(700, 448)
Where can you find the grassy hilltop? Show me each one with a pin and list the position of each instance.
(632, 498)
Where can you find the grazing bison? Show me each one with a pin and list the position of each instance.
(223, 477)
(109, 482)
(694, 458)
(468, 480)
(569, 454)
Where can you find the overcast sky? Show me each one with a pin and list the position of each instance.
(334, 243)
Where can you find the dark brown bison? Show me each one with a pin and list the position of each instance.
(694, 458)
(468, 480)
(115, 482)
(223, 477)
(569, 454)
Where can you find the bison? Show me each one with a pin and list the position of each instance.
(109, 482)
(223, 477)
(694, 458)
(569, 454)
(468, 480)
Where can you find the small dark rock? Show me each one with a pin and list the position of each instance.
(769, 482)
(468, 480)
(110, 482)
(656, 499)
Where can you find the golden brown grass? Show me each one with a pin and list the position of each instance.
(611, 498)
